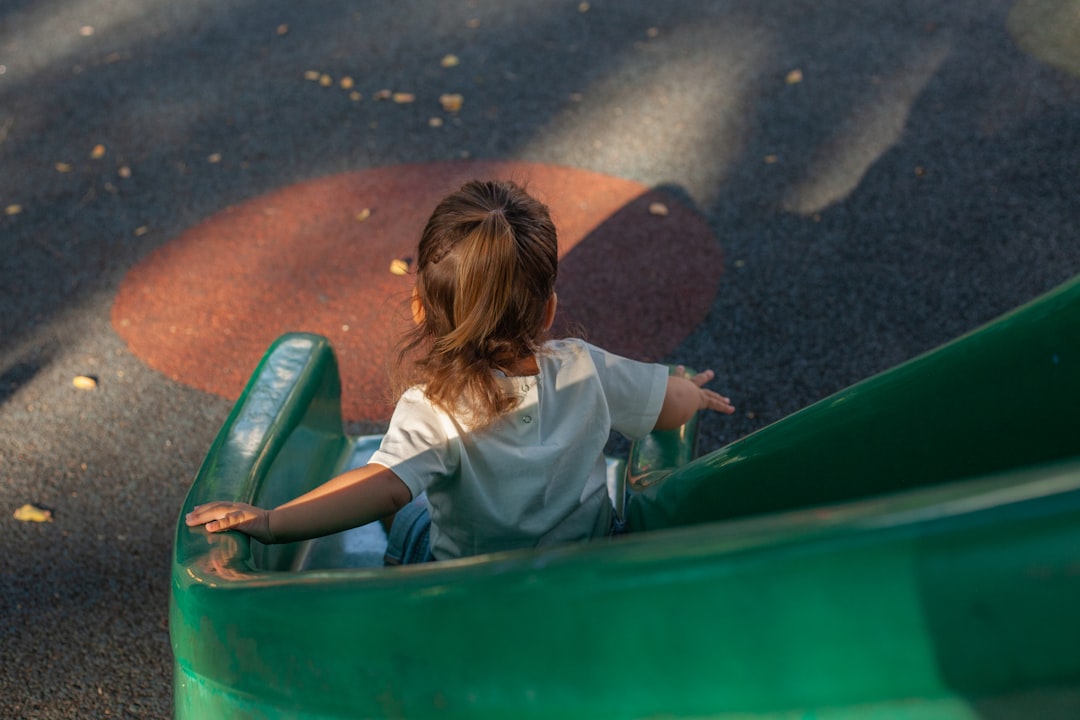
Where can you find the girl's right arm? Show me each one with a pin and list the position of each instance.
(349, 500)
(685, 396)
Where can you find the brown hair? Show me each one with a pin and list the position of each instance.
(486, 268)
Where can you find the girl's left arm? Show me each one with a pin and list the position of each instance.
(349, 500)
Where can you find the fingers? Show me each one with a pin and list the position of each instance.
(703, 377)
(699, 379)
(218, 516)
(202, 514)
(710, 400)
(221, 516)
(233, 519)
(716, 401)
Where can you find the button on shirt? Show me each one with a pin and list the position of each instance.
(535, 476)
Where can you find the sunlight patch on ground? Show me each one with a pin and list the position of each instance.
(651, 118)
(872, 128)
(46, 34)
(1049, 30)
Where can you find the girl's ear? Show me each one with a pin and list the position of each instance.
(417, 307)
(549, 311)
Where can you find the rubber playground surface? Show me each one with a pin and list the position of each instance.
(796, 195)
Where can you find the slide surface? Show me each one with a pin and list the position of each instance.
(907, 548)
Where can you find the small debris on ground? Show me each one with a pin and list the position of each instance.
(451, 102)
(33, 513)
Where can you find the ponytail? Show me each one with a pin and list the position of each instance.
(485, 283)
(486, 269)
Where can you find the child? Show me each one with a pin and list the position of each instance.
(502, 431)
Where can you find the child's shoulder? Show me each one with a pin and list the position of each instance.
(566, 349)
(574, 347)
(572, 355)
(565, 345)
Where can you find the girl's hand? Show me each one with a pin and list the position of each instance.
(219, 516)
(708, 399)
(686, 396)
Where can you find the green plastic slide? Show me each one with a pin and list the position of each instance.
(908, 548)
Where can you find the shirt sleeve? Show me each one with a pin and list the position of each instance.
(634, 391)
(418, 445)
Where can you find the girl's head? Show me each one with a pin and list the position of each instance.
(485, 283)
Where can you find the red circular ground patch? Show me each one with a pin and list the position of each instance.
(203, 308)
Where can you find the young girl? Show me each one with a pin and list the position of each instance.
(498, 441)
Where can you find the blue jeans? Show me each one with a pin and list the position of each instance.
(410, 535)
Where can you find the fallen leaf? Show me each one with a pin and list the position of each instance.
(355, 96)
(346, 83)
(383, 95)
(402, 98)
(435, 122)
(33, 513)
(311, 75)
(771, 159)
(63, 167)
(793, 77)
(363, 215)
(124, 171)
(214, 158)
(141, 230)
(451, 102)
(13, 209)
(658, 208)
(583, 7)
(282, 29)
(325, 80)
(98, 152)
(86, 30)
(449, 61)
(84, 382)
(400, 266)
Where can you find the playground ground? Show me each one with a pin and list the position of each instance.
(798, 195)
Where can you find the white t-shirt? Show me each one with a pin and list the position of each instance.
(536, 476)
